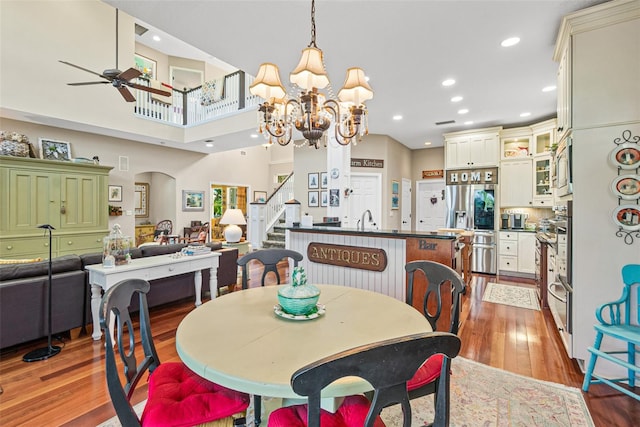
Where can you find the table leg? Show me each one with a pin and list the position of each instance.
(213, 282)
(96, 296)
(197, 282)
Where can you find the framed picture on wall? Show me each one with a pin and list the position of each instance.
(146, 66)
(115, 193)
(334, 197)
(192, 200)
(395, 187)
(314, 202)
(51, 149)
(314, 180)
(324, 180)
(141, 200)
(324, 198)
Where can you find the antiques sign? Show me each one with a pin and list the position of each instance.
(373, 259)
(367, 163)
(472, 176)
(431, 174)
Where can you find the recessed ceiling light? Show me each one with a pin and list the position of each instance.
(549, 88)
(468, 122)
(511, 41)
(448, 82)
(427, 143)
(366, 78)
(209, 144)
(397, 117)
(463, 111)
(156, 38)
(254, 135)
(527, 114)
(457, 98)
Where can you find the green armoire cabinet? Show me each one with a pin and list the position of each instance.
(72, 197)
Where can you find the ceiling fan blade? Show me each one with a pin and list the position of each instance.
(83, 69)
(129, 74)
(149, 89)
(126, 94)
(87, 83)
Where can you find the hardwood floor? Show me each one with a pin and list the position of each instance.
(69, 389)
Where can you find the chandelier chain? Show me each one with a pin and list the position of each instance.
(313, 24)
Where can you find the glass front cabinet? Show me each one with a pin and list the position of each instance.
(542, 195)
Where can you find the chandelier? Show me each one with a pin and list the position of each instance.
(309, 110)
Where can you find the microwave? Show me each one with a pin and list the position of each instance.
(563, 167)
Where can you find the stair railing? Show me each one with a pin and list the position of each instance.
(264, 215)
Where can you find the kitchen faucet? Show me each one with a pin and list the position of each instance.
(361, 221)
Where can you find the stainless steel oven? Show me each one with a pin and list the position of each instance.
(560, 290)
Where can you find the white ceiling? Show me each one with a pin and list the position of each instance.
(407, 48)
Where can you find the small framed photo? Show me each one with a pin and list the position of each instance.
(324, 180)
(146, 66)
(313, 199)
(192, 200)
(115, 193)
(395, 187)
(259, 196)
(314, 180)
(334, 197)
(324, 198)
(50, 149)
(395, 201)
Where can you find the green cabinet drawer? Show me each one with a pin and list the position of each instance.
(27, 247)
(80, 244)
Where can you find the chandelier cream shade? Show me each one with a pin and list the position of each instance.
(310, 111)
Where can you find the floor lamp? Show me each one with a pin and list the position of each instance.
(50, 350)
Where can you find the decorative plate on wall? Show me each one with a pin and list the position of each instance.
(626, 187)
(627, 217)
(626, 156)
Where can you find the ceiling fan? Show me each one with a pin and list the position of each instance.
(118, 79)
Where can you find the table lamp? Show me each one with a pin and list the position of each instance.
(232, 218)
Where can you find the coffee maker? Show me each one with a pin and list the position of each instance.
(518, 220)
(505, 224)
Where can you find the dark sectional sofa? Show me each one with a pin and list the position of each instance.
(23, 291)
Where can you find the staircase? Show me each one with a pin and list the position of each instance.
(275, 237)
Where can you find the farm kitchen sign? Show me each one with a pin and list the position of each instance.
(373, 259)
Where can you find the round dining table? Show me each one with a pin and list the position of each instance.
(238, 340)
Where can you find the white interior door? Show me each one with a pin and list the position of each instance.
(431, 208)
(366, 194)
(405, 208)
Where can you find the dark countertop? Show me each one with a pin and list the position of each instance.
(379, 233)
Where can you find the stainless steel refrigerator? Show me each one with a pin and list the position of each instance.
(472, 207)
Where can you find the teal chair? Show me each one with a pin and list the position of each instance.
(615, 322)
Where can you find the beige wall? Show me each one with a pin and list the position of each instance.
(192, 171)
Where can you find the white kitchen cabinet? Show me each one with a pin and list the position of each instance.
(516, 183)
(472, 149)
(563, 91)
(542, 194)
(515, 143)
(543, 137)
(517, 253)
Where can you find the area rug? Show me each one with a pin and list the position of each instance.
(516, 296)
(484, 396)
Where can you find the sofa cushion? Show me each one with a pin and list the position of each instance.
(214, 245)
(161, 249)
(41, 268)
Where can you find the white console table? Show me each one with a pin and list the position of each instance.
(150, 268)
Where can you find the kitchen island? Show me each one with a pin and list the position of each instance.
(370, 259)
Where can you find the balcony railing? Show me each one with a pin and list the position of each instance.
(187, 107)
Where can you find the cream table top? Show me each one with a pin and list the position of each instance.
(237, 340)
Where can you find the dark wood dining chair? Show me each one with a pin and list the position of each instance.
(177, 395)
(269, 258)
(387, 365)
(437, 289)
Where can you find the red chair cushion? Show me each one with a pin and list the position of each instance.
(429, 371)
(352, 413)
(180, 397)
